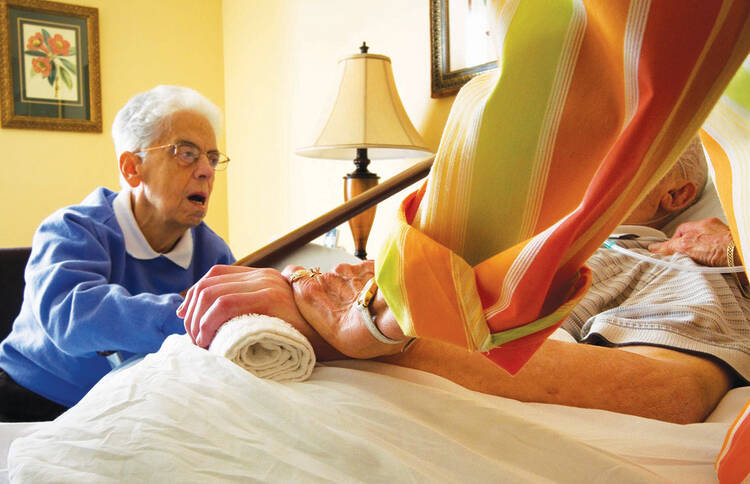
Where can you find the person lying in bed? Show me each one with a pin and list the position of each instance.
(105, 275)
(636, 348)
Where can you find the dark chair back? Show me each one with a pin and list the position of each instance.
(12, 265)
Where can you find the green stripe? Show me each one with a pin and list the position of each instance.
(501, 337)
(387, 270)
(511, 123)
(739, 89)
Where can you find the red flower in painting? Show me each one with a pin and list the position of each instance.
(58, 45)
(36, 42)
(42, 65)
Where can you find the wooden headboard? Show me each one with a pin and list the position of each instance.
(279, 248)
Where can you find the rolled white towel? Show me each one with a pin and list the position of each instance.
(265, 346)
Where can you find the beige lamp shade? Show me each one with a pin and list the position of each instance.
(367, 113)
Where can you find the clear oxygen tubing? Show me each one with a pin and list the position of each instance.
(610, 244)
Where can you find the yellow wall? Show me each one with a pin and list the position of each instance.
(280, 72)
(275, 62)
(143, 43)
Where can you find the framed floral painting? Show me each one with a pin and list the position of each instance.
(49, 66)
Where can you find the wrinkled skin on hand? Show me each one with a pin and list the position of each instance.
(705, 242)
(328, 303)
(229, 291)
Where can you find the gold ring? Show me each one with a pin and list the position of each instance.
(299, 274)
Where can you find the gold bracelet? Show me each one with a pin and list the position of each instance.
(730, 254)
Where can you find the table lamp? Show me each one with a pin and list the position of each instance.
(367, 120)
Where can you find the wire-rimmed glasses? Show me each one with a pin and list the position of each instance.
(187, 154)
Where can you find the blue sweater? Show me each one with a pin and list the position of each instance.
(84, 293)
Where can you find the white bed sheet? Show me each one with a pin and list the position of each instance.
(185, 415)
(10, 431)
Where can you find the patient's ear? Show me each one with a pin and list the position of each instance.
(129, 164)
(679, 198)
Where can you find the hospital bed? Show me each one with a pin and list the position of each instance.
(187, 415)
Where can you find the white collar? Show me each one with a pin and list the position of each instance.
(136, 244)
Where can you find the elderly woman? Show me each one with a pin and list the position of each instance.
(104, 275)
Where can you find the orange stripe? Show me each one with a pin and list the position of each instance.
(660, 70)
(666, 64)
(429, 287)
(734, 466)
(534, 297)
(514, 354)
(714, 62)
(410, 204)
(593, 111)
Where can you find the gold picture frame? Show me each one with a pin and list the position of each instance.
(49, 66)
(446, 80)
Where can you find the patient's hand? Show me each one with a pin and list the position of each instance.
(705, 242)
(229, 291)
(328, 303)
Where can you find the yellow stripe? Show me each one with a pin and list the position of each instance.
(475, 326)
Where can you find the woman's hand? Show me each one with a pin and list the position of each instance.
(229, 291)
(705, 242)
(328, 301)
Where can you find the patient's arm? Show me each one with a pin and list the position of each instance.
(639, 380)
(328, 302)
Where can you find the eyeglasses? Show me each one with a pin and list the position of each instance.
(188, 154)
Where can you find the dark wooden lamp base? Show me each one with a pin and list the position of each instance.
(356, 182)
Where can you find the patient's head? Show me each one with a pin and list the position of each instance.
(678, 189)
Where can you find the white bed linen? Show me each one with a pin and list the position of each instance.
(185, 415)
(10, 431)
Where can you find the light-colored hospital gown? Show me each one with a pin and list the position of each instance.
(635, 302)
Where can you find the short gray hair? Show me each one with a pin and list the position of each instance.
(143, 118)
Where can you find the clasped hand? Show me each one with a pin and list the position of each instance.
(229, 291)
(321, 307)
